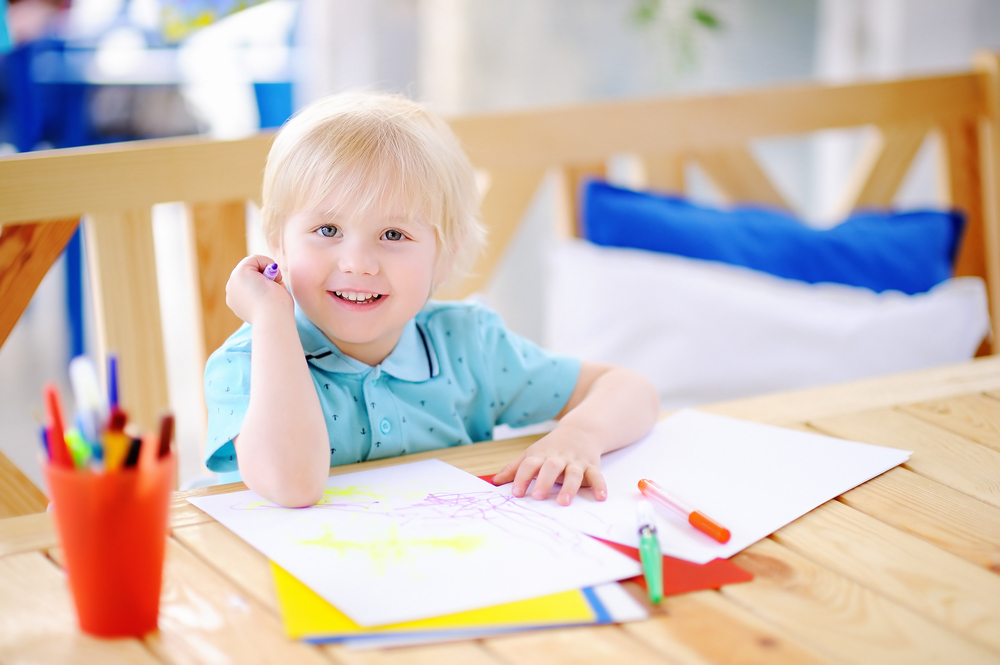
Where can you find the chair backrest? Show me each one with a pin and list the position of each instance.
(43, 195)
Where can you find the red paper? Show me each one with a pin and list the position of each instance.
(680, 576)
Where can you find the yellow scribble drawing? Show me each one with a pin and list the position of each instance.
(341, 492)
(391, 548)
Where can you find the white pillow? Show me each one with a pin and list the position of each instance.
(704, 331)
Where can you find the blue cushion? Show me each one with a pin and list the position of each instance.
(907, 251)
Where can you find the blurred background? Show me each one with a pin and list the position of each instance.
(80, 72)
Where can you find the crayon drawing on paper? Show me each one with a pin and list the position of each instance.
(418, 540)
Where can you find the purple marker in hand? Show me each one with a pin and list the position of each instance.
(271, 272)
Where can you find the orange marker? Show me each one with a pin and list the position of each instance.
(700, 521)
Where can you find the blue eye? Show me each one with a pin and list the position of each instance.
(393, 234)
(328, 231)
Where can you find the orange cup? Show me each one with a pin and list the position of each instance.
(113, 530)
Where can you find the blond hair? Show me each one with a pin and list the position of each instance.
(375, 144)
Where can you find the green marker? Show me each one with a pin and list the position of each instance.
(649, 552)
(79, 449)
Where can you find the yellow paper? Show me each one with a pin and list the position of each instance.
(306, 615)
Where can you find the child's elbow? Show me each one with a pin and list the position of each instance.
(300, 494)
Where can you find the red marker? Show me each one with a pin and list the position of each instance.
(58, 451)
(700, 521)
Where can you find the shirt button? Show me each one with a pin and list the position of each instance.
(385, 426)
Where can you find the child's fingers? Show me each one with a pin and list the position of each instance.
(507, 473)
(596, 481)
(525, 472)
(547, 477)
(572, 478)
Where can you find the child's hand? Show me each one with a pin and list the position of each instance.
(248, 291)
(561, 456)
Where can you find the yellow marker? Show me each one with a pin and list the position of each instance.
(115, 449)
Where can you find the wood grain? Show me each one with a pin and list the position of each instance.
(937, 585)
(882, 166)
(840, 617)
(220, 237)
(953, 521)
(665, 173)
(18, 495)
(38, 621)
(203, 618)
(793, 406)
(965, 191)
(27, 251)
(576, 134)
(458, 652)
(127, 309)
(938, 454)
(246, 568)
(975, 417)
(705, 627)
(599, 644)
(121, 176)
(26, 534)
(988, 65)
(736, 172)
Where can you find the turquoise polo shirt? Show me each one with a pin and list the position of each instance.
(455, 373)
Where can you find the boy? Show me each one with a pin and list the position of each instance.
(369, 204)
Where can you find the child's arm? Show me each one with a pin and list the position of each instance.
(282, 445)
(610, 408)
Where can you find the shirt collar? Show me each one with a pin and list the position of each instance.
(413, 359)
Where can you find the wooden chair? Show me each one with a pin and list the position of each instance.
(44, 195)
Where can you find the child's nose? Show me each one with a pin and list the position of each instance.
(357, 259)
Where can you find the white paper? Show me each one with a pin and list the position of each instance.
(418, 540)
(751, 478)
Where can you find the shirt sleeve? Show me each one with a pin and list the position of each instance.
(531, 385)
(227, 396)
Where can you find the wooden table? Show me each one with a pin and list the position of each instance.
(902, 569)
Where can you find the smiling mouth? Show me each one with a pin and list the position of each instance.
(358, 298)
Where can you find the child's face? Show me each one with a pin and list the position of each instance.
(360, 274)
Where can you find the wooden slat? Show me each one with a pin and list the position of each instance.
(965, 192)
(975, 417)
(27, 251)
(704, 627)
(665, 173)
(220, 243)
(574, 176)
(27, 533)
(38, 622)
(504, 205)
(682, 125)
(936, 584)
(458, 653)
(127, 309)
(951, 520)
(75, 181)
(840, 617)
(600, 644)
(18, 495)
(203, 619)
(228, 554)
(826, 401)
(741, 179)
(988, 64)
(882, 166)
(938, 454)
